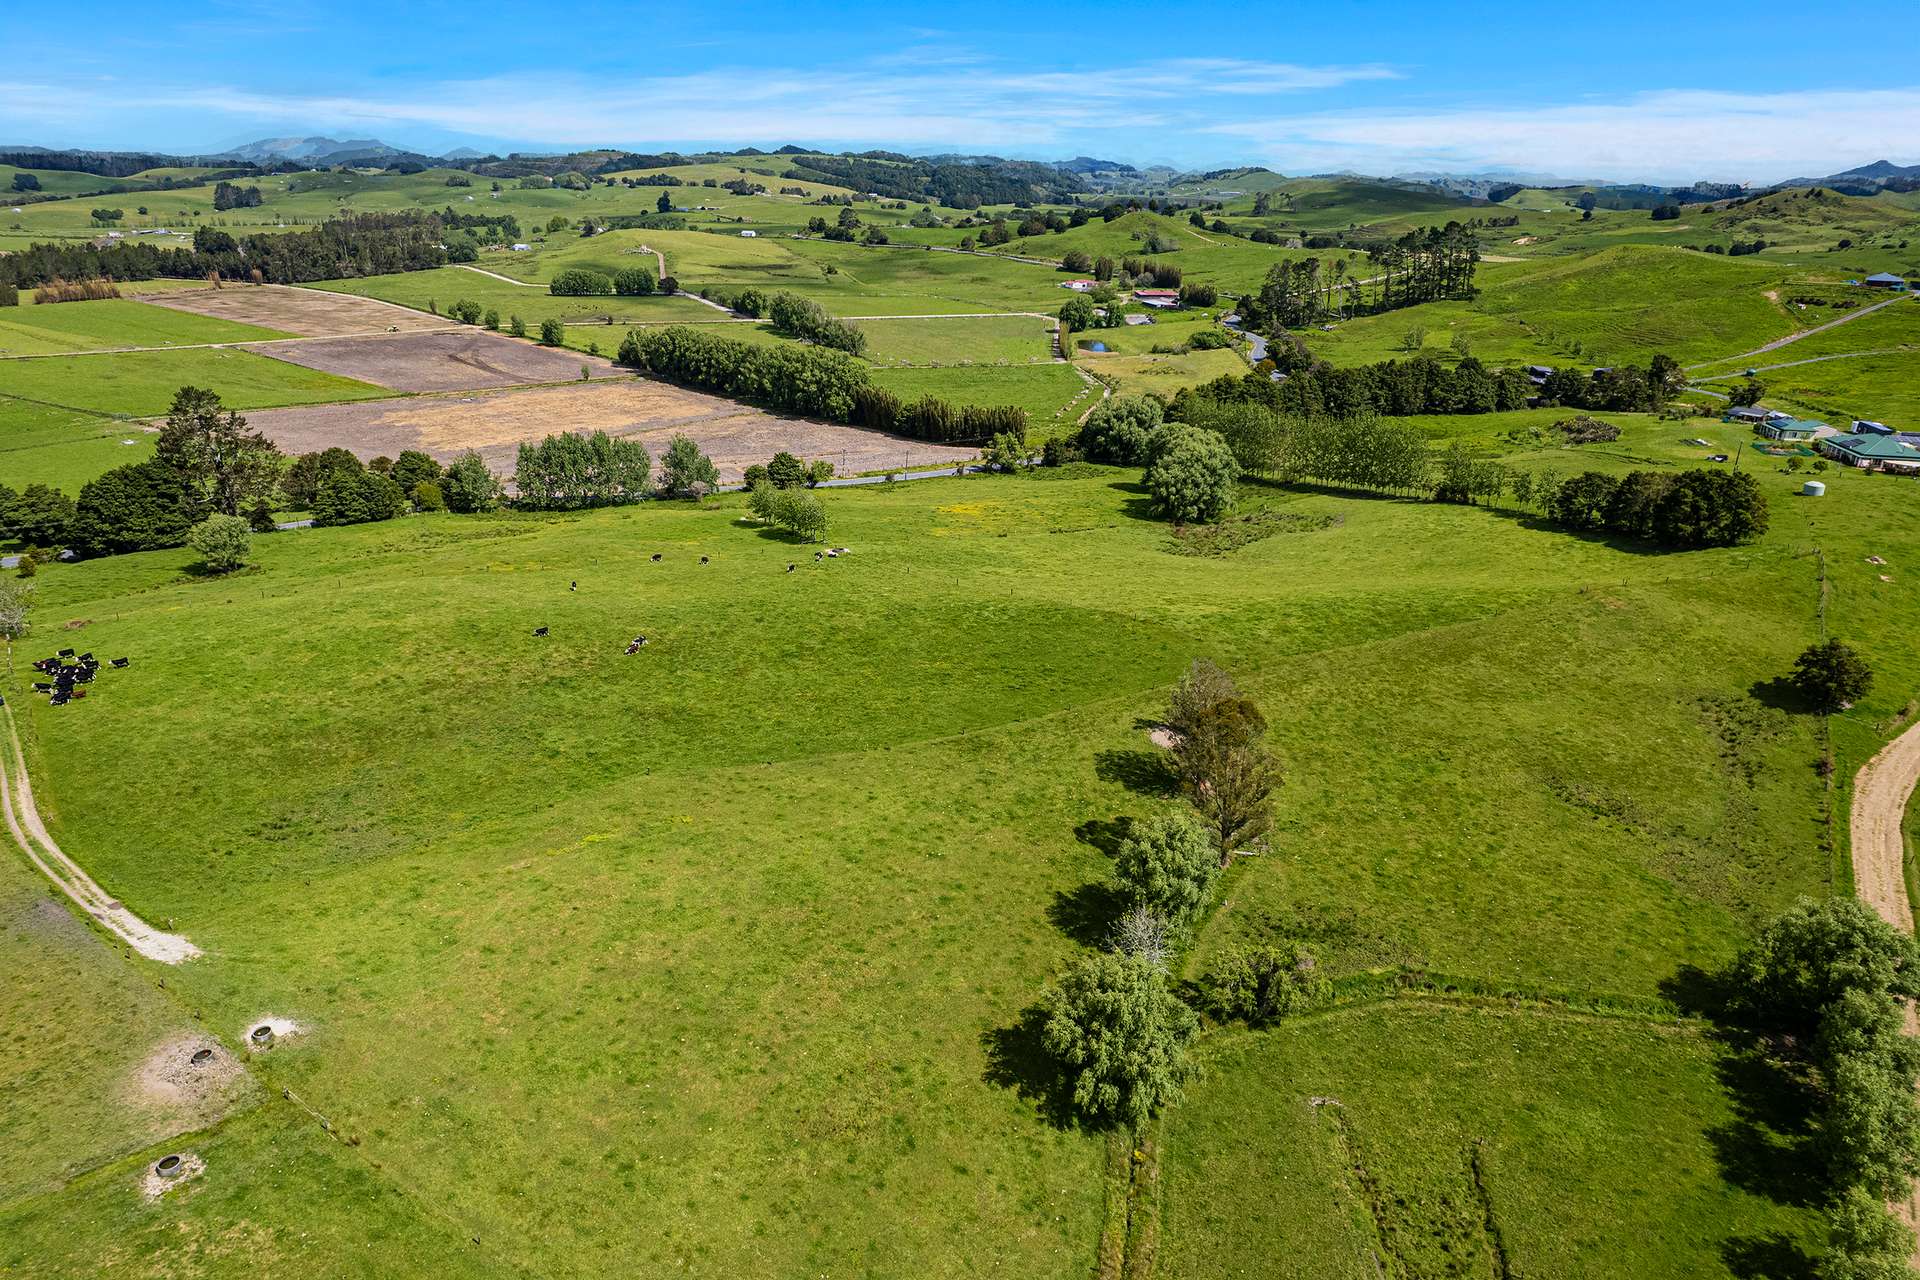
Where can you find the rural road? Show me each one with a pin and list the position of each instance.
(1791, 338)
(1789, 364)
(23, 820)
(1881, 791)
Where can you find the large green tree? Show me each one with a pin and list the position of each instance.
(224, 467)
(1193, 476)
(1167, 866)
(1119, 1035)
(1228, 774)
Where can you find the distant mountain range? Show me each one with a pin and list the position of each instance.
(313, 150)
(1881, 175)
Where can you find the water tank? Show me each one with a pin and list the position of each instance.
(1813, 488)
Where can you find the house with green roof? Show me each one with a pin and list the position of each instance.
(1871, 452)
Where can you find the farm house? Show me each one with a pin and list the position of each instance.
(1872, 453)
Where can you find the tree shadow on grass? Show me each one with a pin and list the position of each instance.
(1017, 1059)
(1767, 1146)
(1104, 834)
(1781, 694)
(1146, 773)
(1086, 914)
(1139, 502)
(1769, 1257)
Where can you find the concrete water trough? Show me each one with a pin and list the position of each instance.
(200, 1058)
(261, 1036)
(169, 1166)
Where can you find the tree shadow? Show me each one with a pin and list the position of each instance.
(1781, 694)
(1017, 1059)
(1767, 1147)
(1146, 773)
(1086, 914)
(1139, 503)
(1104, 834)
(1598, 537)
(1768, 1257)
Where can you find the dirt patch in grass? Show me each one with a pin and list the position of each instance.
(496, 422)
(190, 1080)
(469, 360)
(308, 312)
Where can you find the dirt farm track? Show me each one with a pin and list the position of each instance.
(495, 422)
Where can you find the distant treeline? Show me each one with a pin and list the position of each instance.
(816, 381)
(363, 244)
(124, 164)
(959, 186)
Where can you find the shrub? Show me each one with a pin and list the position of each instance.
(491, 320)
(1119, 1036)
(1259, 984)
(786, 471)
(469, 486)
(224, 542)
(517, 327)
(466, 311)
(1832, 675)
(686, 470)
(16, 599)
(1580, 429)
(1581, 501)
(1117, 429)
(800, 513)
(578, 282)
(819, 471)
(27, 567)
(755, 475)
(427, 495)
(552, 333)
(1201, 686)
(632, 282)
(1167, 866)
(761, 497)
(1864, 1241)
(1227, 773)
(1192, 477)
(1143, 935)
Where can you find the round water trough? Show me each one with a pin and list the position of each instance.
(200, 1058)
(168, 1166)
(1813, 488)
(262, 1036)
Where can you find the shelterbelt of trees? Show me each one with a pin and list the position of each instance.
(1421, 266)
(362, 244)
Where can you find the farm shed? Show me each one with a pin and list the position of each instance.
(1884, 280)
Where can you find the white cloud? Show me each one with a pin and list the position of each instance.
(926, 95)
(1671, 134)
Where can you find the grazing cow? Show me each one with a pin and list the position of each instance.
(703, 559)
(792, 567)
(656, 557)
(574, 585)
(539, 631)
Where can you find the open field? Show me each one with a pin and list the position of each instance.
(444, 286)
(307, 312)
(142, 383)
(554, 916)
(1052, 394)
(467, 360)
(44, 444)
(1164, 374)
(495, 423)
(1580, 1175)
(978, 340)
(114, 322)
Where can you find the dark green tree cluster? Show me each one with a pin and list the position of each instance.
(1119, 429)
(1621, 389)
(1832, 675)
(936, 420)
(356, 495)
(815, 381)
(1684, 510)
(1360, 452)
(363, 244)
(807, 319)
(227, 196)
(567, 472)
(579, 282)
(37, 516)
(1834, 981)
(634, 282)
(1191, 474)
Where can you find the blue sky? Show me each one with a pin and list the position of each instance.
(1670, 92)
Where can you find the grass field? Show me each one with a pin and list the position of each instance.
(785, 1063)
(1052, 394)
(112, 322)
(142, 383)
(42, 444)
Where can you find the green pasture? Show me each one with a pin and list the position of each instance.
(64, 448)
(441, 287)
(1585, 1167)
(964, 340)
(142, 383)
(774, 1035)
(112, 322)
(1052, 394)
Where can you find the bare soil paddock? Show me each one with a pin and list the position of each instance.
(464, 360)
(308, 312)
(496, 422)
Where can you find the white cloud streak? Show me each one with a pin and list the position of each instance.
(1672, 134)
